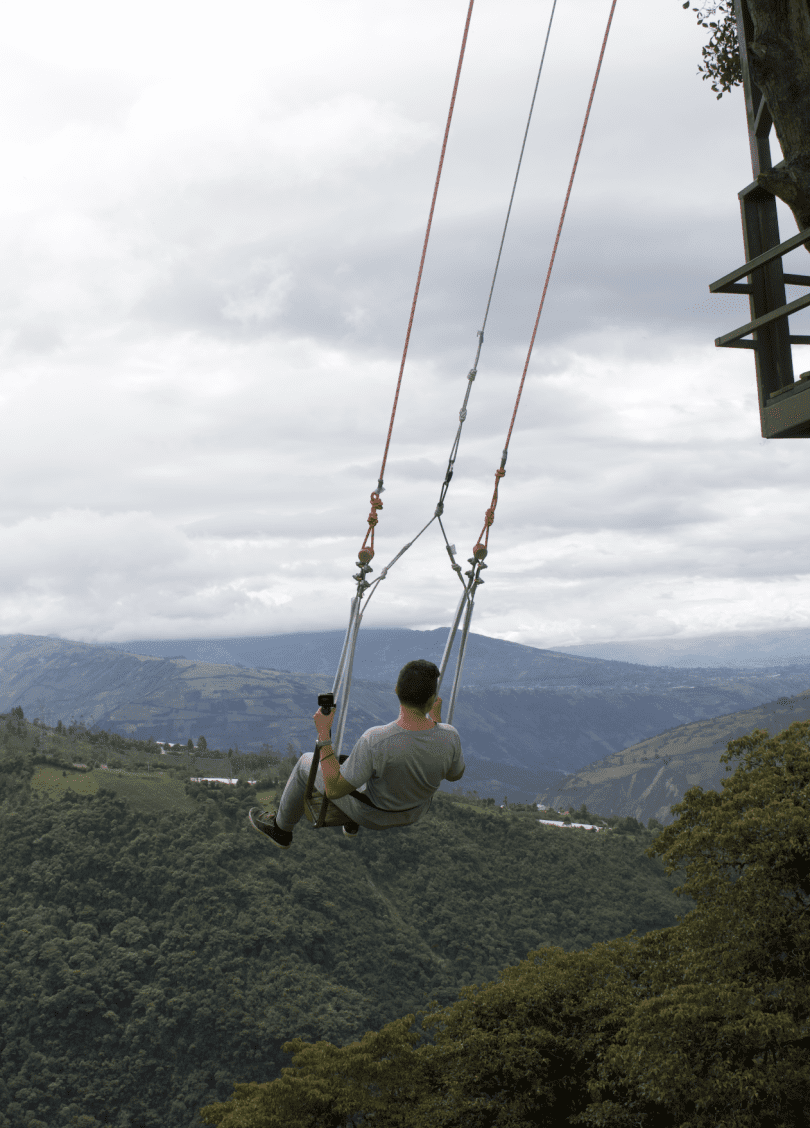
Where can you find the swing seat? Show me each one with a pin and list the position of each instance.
(334, 815)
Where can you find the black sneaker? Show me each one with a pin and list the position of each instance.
(265, 822)
(350, 829)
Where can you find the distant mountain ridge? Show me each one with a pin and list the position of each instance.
(741, 648)
(534, 719)
(645, 780)
(381, 653)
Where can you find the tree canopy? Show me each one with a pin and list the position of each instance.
(721, 55)
(155, 951)
(704, 1022)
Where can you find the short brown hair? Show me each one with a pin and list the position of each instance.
(417, 682)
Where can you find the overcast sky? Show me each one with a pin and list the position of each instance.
(212, 215)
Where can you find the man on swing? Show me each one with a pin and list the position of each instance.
(392, 773)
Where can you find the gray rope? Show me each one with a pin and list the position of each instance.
(462, 415)
(514, 186)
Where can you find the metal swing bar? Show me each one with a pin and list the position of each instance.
(343, 676)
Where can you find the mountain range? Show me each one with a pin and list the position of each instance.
(644, 781)
(740, 648)
(535, 724)
(493, 661)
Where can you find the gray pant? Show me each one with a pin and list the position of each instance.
(291, 805)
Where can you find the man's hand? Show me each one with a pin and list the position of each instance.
(323, 724)
(435, 713)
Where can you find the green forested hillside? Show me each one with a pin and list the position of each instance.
(700, 1025)
(156, 950)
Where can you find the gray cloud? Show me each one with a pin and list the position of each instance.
(209, 240)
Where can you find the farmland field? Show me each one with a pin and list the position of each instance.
(150, 792)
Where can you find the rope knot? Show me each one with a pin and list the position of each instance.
(499, 473)
(376, 504)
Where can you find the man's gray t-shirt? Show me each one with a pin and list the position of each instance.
(399, 770)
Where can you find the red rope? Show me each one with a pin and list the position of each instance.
(366, 554)
(480, 549)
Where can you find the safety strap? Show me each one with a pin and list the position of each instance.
(321, 817)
